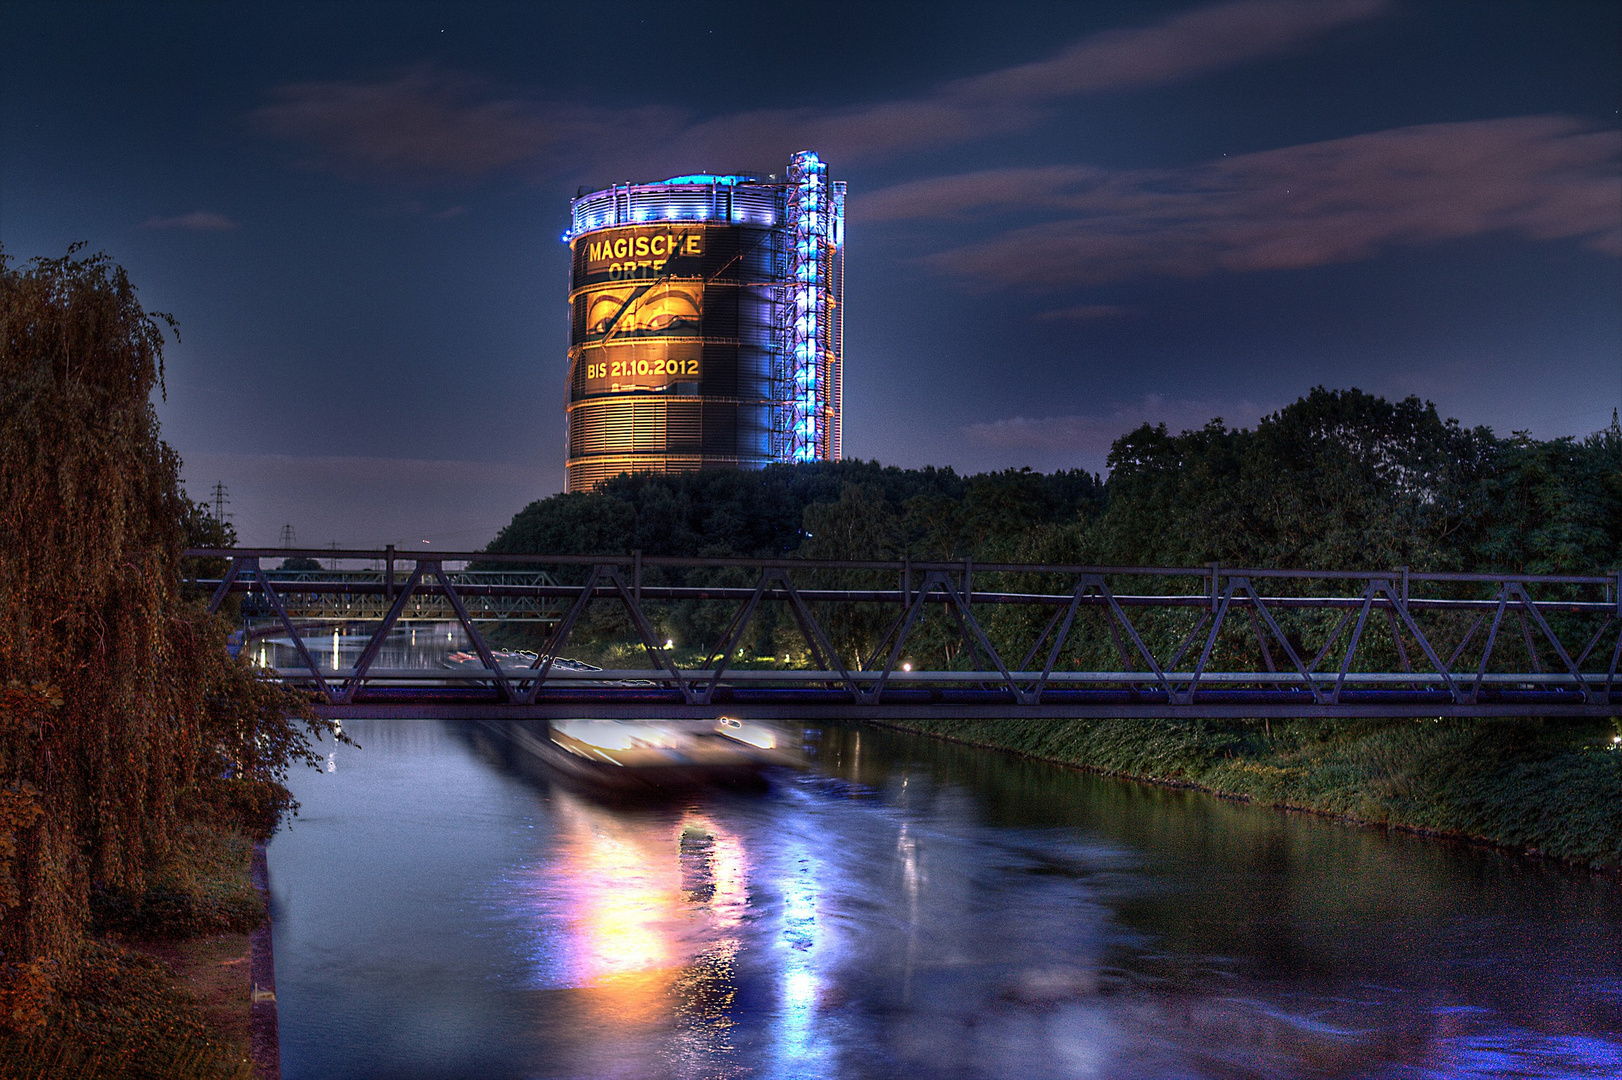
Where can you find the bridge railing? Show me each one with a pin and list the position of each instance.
(966, 638)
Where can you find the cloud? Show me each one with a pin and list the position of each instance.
(421, 121)
(1092, 434)
(1540, 177)
(1192, 43)
(428, 122)
(1087, 313)
(196, 221)
(967, 196)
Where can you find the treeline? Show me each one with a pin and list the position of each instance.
(123, 723)
(1339, 479)
(1343, 479)
(833, 510)
(846, 509)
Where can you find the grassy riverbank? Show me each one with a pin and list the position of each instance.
(1551, 787)
(162, 989)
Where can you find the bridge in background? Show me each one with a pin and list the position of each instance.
(344, 596)
(1090, 641)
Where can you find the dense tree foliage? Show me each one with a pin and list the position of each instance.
(762, 514)
(1345, 479)
(1339, 479)
(843, 510)
(120, 713)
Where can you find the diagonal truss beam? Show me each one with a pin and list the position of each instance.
(542, 664)
(486, 657)
(1263, 660)
(231, 575)
(1261, 612)
(938, 581)
(274, 599)
(606, 575)
(823, 653)
(374, 645)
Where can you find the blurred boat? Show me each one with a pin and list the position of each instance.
(518, 660)
(663, 755)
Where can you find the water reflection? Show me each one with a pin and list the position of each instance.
(801, 951)
(638, 913)
(813, 932)
(908, 908)
(416, 645)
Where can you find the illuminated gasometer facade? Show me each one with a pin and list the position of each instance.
(707, 323)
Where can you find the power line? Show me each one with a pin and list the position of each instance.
(222, 499)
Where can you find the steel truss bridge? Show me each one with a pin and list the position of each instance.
(343, 596)
(1209, 642)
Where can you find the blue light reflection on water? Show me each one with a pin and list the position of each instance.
(799, 944)
(1514, 1053)
(905, 909)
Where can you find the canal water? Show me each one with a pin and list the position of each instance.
(905, 908)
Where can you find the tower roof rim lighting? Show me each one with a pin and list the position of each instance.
(690, 180)
(706, 178)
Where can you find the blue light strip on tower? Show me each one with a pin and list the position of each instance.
(809, 225)
(706, 178)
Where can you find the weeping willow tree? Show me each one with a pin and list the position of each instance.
(118, 703)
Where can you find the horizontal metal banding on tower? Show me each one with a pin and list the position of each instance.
(679, 428)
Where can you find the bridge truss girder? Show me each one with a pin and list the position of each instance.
(1154, 676)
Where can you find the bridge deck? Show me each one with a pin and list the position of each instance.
(1248, 643)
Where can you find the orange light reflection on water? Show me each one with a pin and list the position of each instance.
(650, 909)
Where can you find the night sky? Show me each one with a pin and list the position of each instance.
(1064, 219)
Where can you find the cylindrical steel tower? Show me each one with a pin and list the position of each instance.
(706, 326)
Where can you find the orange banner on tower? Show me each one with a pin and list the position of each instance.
(662, 309)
